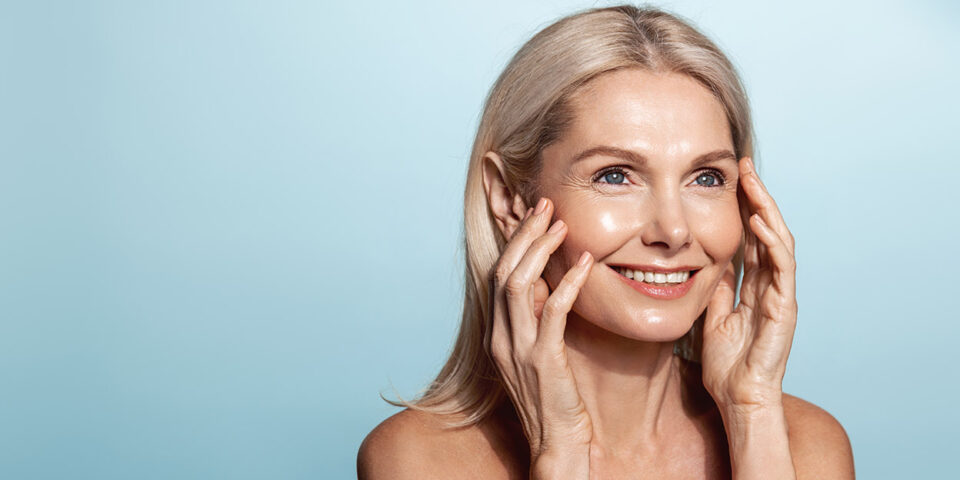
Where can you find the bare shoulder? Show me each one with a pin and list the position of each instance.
(818, 443)
(419, 445)
(404, 445)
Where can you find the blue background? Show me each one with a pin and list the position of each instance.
(227, 226)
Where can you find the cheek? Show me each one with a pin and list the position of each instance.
(719, 231)
(600, 229)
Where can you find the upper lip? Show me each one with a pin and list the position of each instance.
(655, 268)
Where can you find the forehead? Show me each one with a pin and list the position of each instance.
(659, 114)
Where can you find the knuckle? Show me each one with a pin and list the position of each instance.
(790, 265)
(549, 311)
(516, 285)
(501, 273)
(540, 356)
(542, 243)
(554, 307)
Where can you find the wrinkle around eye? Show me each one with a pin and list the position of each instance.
(727, 187)
(574, 180)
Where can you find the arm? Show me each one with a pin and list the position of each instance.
(759, 443)
(797, 436)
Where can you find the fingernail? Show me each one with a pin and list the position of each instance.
(556, 226)
(541, 206)
(584, 259)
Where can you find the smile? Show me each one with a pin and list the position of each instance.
(664, 286)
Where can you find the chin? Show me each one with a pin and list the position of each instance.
(650, 325)
(612, 307)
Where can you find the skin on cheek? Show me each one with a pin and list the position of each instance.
(564, 257)
(591, 226)
(716, 224)
(725, 232)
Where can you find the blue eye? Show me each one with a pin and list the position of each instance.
(612, 176)
(710, 178)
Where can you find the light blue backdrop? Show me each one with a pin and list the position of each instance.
(226, 227)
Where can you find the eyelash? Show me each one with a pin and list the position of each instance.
(622, 170)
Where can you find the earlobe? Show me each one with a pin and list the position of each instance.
(507, 206)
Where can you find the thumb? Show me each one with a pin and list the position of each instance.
(721, 303)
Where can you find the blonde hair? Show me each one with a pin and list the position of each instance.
(526, 110)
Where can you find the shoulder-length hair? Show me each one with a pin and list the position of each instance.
(526, 110)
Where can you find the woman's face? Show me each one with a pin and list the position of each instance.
(645, 177)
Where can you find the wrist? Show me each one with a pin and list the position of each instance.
(570, 463)
(758, 441)
(751, 421)
(757, 405)
(752, 412)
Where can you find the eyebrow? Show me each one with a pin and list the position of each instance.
(641, 160)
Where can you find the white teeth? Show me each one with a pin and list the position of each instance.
(651, 277)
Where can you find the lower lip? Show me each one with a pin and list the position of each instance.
(662, 293)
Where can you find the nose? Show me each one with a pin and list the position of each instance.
(667, 228)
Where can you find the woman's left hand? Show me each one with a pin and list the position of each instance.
(745, 348)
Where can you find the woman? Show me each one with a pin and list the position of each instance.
(611, 202)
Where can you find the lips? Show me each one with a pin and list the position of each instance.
(655, 268)
(660, 291)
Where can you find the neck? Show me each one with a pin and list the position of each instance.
(632, 389)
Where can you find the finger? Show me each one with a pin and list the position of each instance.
(777, 324)
(541, 291)
(519, 287)
(532, 227)
(514, 249)
(497, 336)
(764, 203)
(553, 322)
(748, 292)
(751, 257)
(781, 258)
(771, 346)
(497, 341)
(721, 303)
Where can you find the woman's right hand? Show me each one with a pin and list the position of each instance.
(526, 344)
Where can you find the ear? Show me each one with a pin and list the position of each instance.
(507, 206)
